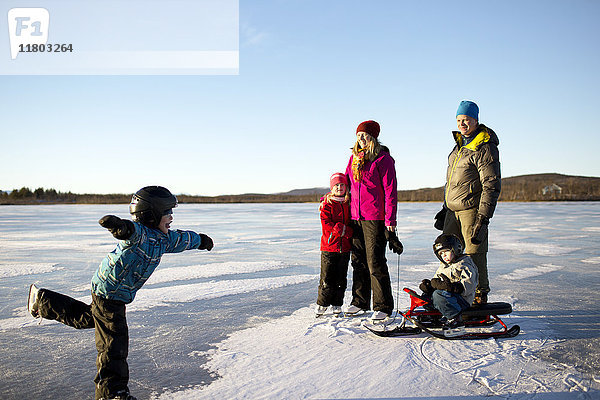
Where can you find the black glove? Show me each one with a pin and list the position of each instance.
(394, 242)
(445, 284)
(478, 233)
(439, 219)
(121, 229)
(425, 286)
(206, 243)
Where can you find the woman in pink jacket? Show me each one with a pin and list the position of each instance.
(373, 190)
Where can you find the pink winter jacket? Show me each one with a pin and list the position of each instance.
(375, 197)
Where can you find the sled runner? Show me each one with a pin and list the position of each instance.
(424, 316)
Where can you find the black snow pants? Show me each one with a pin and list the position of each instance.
(333, 282)
(112, 335)
(369, 265)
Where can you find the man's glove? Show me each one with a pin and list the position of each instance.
(445, 284)
(121, 229)
(394, 242)
(439, 219)
(206, 243)
(425, 286)
(478, 234)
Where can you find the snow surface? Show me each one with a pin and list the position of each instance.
(524, 273)
(8, 270)
(238, 322)
(333, 357)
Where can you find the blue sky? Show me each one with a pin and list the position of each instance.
(309, 72)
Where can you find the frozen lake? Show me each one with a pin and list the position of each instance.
(544, 259)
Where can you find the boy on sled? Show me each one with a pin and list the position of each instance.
(452, 288)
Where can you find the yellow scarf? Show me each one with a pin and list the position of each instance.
(361, 156)
(358, 162)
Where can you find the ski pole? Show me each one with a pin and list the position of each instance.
(398, 286)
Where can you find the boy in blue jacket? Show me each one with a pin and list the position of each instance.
(118, 278)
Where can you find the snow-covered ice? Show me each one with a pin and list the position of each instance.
(335, 358)
(524, 273)
(238, 322)
(8, 270)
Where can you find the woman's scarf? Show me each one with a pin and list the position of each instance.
(361, 156)
(358, 162)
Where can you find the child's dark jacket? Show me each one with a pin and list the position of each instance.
(335, 220)
(124, 270)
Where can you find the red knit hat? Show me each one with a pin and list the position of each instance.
(336, 178)
(370, 127)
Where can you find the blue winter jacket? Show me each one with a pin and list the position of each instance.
(125, 270)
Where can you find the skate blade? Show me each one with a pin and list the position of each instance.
(455, 332)
(385, 321)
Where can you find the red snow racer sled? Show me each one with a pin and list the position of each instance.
(427, 319)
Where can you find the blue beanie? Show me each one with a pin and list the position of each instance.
(469, 109)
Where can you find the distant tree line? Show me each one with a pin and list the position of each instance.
(252, 198)
(538, 187)
(550, 187)
(426, 194)
(51, 196)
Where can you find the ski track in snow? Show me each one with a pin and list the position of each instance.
(539, 249)
(171, 274)
(591, 229)
(148, 298)
(528, 229)
(9, 270)
(99, 245)
(298, 364)
(525, 273)
(426, 268)
(155, 297)
(592, 260)
(201, 271)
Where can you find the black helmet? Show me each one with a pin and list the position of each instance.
(447, 242)
(150, 203)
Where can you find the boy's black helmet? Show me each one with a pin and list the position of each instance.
(447, 242)
(150, 203)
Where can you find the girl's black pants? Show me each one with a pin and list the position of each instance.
(333, 282)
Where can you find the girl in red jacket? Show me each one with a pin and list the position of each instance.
(335, 245)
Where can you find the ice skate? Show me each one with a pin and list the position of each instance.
(379, 316)
(320, 310)
(353, 310)
(454, 327)
(32, 306)
(120, 396)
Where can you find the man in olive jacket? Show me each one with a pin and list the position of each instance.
(472, 189)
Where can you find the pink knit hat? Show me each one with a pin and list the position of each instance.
(336, 178)
(370, 127)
